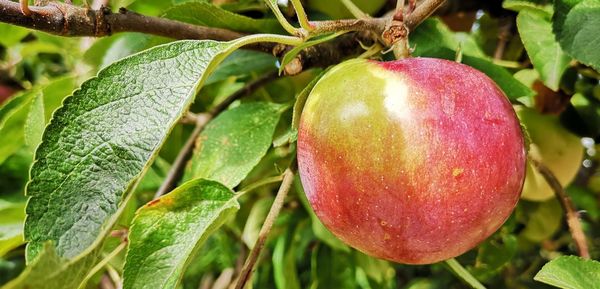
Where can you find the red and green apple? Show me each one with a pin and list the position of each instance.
(414, 161)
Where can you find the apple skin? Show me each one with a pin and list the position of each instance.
(414, 161)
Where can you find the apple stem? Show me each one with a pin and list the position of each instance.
(573, 221)
(397, 30)
(248, 268)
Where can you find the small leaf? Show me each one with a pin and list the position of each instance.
(570, 272)
(255, 219)
(577, 32)
(518, 5)
(167, 232)
(49, 271)
(545, 53)
(24, 117)
(207, 14)
(103, 138)
(234, 142)
(285, 272)
(544, 220)
(11, 225)
(34, 125)
(433, 34)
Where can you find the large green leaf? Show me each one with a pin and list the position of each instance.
(207, 14)
(167, 233)
(577, 30)
(545, 53)
(103, 138)
(570, 272)
(234, 142)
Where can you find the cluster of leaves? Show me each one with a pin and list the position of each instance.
(103, 154)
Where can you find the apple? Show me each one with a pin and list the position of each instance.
(553, 145)
(414, 161)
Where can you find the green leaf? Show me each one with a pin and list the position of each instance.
(545, 53)
(255, 219)
(234, 142)
(49, 271)
(493, 255)
(11, 34)
(544, 220)
(433, 34)
(207, 14)
(13, 123)
(570, 272)
(518, 5)
(284, 263)
(243, 63)
(332, 269)
(167, 232)
(103, 138)
(11, 225)
(577, 32)
(24, 117)
(35, 123)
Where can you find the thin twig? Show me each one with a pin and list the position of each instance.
(177, 167)
(202, 119)
(248, 269)
(504, 34)
(573, 221)
(421, 12)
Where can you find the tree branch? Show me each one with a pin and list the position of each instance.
(68, 20)
(572, 216)
(248, 269)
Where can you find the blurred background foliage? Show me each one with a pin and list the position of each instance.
(556, 96)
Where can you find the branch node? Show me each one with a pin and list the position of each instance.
(394, 32)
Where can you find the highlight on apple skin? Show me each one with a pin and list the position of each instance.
(414, 161)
